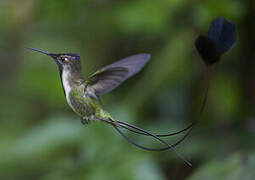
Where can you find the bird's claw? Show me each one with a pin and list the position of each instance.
(85, 121)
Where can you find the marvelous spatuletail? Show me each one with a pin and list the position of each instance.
(83, 95)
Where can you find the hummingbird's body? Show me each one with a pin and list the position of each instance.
(83, 101)
(83, 95)
(75, 92)
(76, 97)
(80, 96)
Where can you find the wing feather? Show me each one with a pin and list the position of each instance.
(111, 76)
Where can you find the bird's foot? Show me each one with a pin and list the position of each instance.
(85, 121)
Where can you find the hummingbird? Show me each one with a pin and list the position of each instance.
(83, 95)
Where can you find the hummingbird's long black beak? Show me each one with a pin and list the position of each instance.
(54, 56)
(38, 50)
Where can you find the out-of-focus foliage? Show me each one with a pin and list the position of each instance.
(41, 138)
(234, 167)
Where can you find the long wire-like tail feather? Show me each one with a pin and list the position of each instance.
(161, 149)
(206, 92)
(193, 123)
(116, 124)
(135, 130)
(149, 134)
(159, 135)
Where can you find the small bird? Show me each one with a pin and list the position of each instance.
(83, 96)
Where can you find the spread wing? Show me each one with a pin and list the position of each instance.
(111, 76)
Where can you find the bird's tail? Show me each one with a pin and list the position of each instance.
(119, 125)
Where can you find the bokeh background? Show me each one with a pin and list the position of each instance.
(41, 138)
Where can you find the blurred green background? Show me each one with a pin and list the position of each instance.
(41, 138)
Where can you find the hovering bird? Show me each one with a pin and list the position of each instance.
(83, 96)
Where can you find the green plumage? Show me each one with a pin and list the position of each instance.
(87, 107)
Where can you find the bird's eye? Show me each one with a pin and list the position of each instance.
(63, 59)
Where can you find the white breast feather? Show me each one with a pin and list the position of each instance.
(67, 87)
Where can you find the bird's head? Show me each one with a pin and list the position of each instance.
(64, 61)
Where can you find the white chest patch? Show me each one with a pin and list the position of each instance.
(67, 87)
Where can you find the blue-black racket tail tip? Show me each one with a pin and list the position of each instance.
(222, 36)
